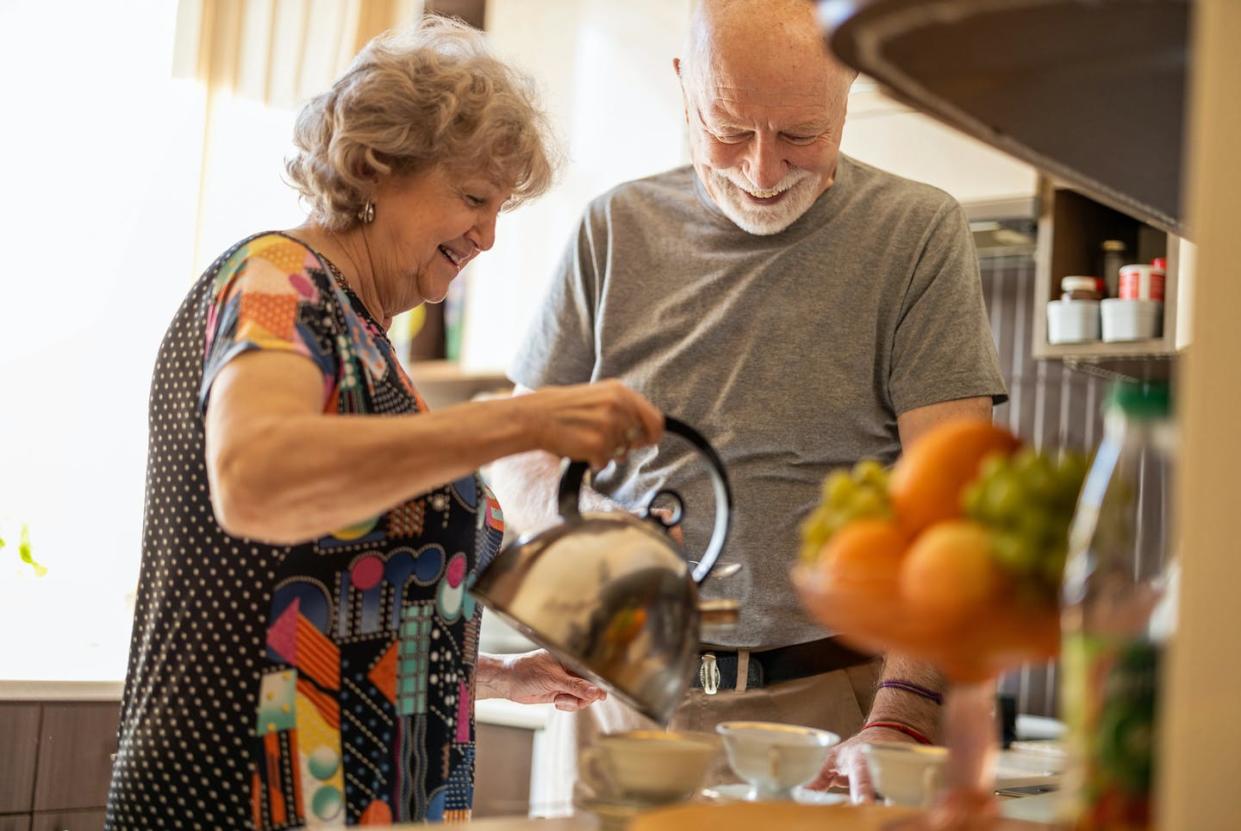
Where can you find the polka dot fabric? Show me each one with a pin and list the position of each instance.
(317, 685)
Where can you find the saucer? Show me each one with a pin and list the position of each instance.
(614, 815)
(740, 792)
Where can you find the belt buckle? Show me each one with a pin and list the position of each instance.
(709, 674)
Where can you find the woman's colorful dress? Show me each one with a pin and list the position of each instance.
(320, 684)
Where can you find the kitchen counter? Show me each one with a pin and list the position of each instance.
(61, 690)
(489, 711)
(590, 823)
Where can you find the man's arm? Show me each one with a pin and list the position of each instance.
(896, 705)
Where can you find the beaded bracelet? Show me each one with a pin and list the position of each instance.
(911, 687)
(900, 727)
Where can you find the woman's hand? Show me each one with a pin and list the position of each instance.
(595, 423)
(535, 678)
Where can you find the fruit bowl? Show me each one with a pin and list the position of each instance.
(954, 559)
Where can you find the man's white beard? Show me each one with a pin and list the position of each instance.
(731, 188)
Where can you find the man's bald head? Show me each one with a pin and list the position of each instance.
(765, 105)
(754, 42)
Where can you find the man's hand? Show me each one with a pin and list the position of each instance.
(535, 678)
(846, 766)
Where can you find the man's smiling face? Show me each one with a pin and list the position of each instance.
(765, 107)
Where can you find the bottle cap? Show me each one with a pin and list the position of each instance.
(1141, 399)
(1079, 283)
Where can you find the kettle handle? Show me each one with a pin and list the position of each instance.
(571, 491)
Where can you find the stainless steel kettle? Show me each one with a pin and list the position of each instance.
(610, 595)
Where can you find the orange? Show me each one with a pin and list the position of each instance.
(949, 577)
(927, 482)
(866, 554)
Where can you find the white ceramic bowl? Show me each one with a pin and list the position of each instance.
(652, 766)
(906, 774)
(775, 758)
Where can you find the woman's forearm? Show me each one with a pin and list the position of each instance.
(292, 478)
(282, 471)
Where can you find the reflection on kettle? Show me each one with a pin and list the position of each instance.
(610, 595)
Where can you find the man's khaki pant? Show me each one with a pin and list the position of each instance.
(837, 701)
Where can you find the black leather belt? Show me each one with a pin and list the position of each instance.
(787, 663)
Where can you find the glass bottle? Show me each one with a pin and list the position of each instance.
(1118, 615)
(1111, 260)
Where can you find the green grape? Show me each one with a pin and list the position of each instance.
(972, 499)
(839, 487)
(870, 472)
(1034, 525)
(1013, 552)
(1023, 461)
(1041, 481)
(1004, 498)
(868, 502)
(992, 465)
(1027, 502)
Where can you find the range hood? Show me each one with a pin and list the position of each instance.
(1092, 92)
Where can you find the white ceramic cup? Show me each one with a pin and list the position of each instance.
(649, 766)
(775, 758)
(906, 774)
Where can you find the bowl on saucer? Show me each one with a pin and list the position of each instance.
(775, 758)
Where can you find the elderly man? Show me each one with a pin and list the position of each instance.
(804, 311)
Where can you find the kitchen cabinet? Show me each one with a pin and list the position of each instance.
(67, 821)
(77, 742)
(503, 761)
(1071, 231)
(56, 763)
(19, 737)
(56, 756)
(15, 822)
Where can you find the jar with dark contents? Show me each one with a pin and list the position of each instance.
(1080, 288)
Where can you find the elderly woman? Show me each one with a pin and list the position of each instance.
(305, 650)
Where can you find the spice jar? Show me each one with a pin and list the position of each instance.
(1080, 288)
(1074, 318)
(1142, 282)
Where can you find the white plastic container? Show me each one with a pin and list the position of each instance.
(1131, 319)
(1072, 321)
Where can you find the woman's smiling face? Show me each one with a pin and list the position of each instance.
(428, 226)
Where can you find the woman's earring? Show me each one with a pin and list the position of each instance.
(367, 214)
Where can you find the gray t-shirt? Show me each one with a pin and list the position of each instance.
(792, 353)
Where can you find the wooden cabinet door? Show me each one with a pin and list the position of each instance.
(15, 822)
(75, 755)
(68, 821)
(19, 749)
(502, 770)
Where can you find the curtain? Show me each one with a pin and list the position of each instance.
(252, 64)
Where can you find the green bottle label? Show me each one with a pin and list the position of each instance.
(1111, 691)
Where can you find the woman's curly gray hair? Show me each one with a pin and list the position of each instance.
(429, 94)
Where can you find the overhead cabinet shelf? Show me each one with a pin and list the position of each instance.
(1091, 92)
(1071, 232)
